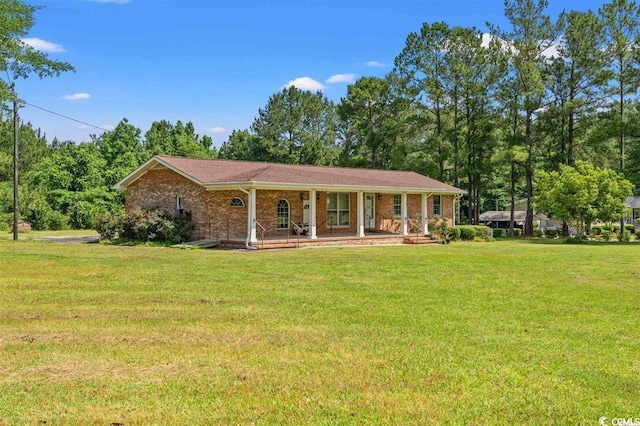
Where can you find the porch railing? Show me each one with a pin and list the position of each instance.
(261, 229)
(298, 230)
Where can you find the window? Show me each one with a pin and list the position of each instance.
(283, 214)
(338, 209)
(397, 205)
(237, 202)
(437, 205)
(179, 205)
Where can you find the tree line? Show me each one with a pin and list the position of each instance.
(486, 112)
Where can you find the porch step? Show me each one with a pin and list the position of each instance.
(420, 240)
(208, 243)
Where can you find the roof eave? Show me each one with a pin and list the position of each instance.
(324, 187)
(148, 165)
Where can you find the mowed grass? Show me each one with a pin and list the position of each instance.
(480, 333)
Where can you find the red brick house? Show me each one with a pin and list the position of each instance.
(249, 201)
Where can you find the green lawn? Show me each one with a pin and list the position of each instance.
(508, 332)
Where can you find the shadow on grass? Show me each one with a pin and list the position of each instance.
(556, 241)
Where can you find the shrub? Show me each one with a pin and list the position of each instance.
(577, 240)
(107, 225)
(538, 233)
(630, 227)
(454, 233)
(467, 232)
(499, 232)
(138, 225)
(626, 236)
(484, 232)
(517, 232)
(440, 229)
(606, 235)
(552, 233)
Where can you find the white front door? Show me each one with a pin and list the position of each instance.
(305, 212)
(370, 211)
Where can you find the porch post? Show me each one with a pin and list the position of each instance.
(405, 229)
(252, 216)
(312, 219)
(360, 214)
(425, 213)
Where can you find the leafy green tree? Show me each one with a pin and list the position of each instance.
(243, 145)
(122, 151)
(18, 59)
(582, 194)
(33, 148)
(298, 127)
(420, 68)
(578, 79)
(372, 112)
(531, 36)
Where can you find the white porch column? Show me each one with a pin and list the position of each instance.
(312, 219)
(405, 228)
(360, 214)
(252, 216)
(425, 215)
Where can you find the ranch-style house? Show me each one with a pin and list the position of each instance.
(253, 202)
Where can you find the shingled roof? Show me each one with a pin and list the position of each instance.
(213, 173)
(633, 202)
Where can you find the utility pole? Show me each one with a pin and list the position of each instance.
(16, 202)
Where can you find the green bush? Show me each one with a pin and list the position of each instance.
(517, 232)
(454, 233)
(552, 233)
(606, 235)
(484, 232)
(538, 233)
(499, 232)
(467, 232)
(626, 236)
(630, 227)
(138, 225)
(597, 229)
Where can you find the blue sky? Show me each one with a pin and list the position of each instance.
(216, 62)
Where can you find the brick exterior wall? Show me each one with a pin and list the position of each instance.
(215, 218)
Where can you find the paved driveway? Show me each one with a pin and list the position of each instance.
(70, 239)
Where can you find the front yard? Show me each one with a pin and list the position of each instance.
(470, 333)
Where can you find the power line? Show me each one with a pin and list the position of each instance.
(64, 116)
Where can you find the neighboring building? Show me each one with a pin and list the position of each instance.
(24, 226)
(633, 203)
(250, 200)
(501, 219)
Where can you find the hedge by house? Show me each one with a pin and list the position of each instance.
(143, 226)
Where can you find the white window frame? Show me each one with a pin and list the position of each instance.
(339, 208)
(437, 206)
(397, 205)
(180, 204)
(279, 223)
(236, 204)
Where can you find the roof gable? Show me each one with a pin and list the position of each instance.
(211, 173)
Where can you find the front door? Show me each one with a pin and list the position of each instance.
(305, 212)
(370, 211)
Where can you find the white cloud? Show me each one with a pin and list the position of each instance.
(306, 83)
(550, 48)
(76, 97)
(217, 129)
(341, 78)
(374, 64)
(43, 45)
